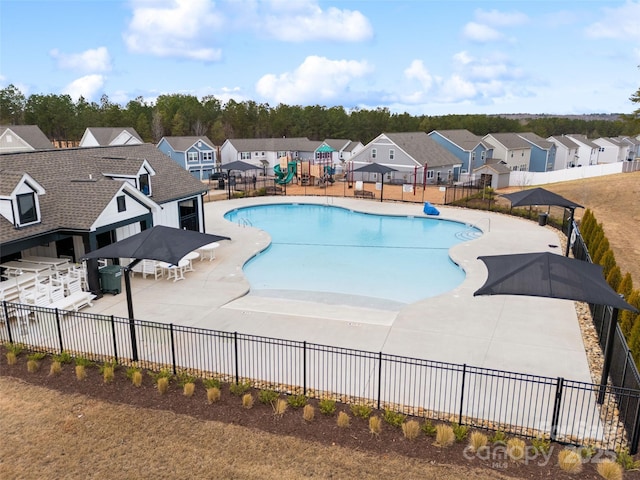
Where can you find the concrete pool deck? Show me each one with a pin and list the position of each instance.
(521, 334)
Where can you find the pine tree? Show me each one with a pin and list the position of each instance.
(626, 286)
(600, 250)
(614, 277)
(608, 261)
(586, 225)
(627, 317)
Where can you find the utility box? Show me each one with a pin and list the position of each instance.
(111, 279)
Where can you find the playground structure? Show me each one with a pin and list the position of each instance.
(305, 172)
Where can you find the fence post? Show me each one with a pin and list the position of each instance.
(113, 334)
(556, 408)
(635, 437)
(304, 367)
(235, 348)
(173, 349)
(59, 330)
(6, 315)
(464, 374)
(379, 377)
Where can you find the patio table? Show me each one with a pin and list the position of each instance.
(208, 250)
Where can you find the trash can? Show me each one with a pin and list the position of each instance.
(111, 279)
(542, 219)
(221, 183)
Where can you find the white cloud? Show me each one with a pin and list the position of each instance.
(86, 87)
(298, 21)
(94, 60)
(456, 89)
(481, 33)
(500, 19)
(619, 23)
(317, 79)
(418, 72)
(182, 29)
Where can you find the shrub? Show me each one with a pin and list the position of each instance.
(211, 383)
(56, 368)
(213, 394)
(327, 406)
(239, 388)
(541, 445)
(108, 371)
(429, 428)
(268, 396)
(411, 429)
(343, 420)
(13, 351)
(375, 425)
(609, 470)
(444, 435)
(64, 357)
(297, 401)
(625, 460)
(188, 389)
(85, 362)
(162, 384)
(588, 451)
(394, 419)
(308, 413)
(361, 411)
(280, 406)
(247, 400)
(570, 461)
(516, 449)
(460, 431)
(81, 372)
(135, 375)
(498, 437)
(477, 441)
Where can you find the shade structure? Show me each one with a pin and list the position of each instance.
(376, 168)
(240, 166)
(165, 244)
(539, 196)
(545, 274)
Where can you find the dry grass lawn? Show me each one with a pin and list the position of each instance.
(46, 434)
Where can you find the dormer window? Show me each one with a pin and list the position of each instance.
(145, 187)
(27, 208)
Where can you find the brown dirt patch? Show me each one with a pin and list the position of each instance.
(59, 427)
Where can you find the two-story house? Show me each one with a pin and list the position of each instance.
(513, 150)
(266, 152)
(566, 152)
(467, 147)
(68, 202)
(416, 156)
(588, 152)
(612, 150)
(23, 138)
(543, 152)
(108, 136)
(197, 155)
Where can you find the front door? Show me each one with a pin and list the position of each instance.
(189, 215)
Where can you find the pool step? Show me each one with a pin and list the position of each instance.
(468, 235)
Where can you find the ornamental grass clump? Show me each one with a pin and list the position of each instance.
(411, 429)
(343, 420)
(247, 401)
(609, 470)
(570, 461)
(33, 362)
(516, 449)
(81, 367)
(108, 372)
(477, 441)
(55, 368)
(444, 435)
(375, 425)
(162, 384)
(308, 413)
(13, 350)
(213, 394)
(188, 383)
(279, 407)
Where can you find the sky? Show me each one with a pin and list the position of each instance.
(422, 57)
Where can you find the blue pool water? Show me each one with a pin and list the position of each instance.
(325, 249)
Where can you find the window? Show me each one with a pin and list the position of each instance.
(374, 153)
(122, 205)
(207, 156)
(245, 156)
(482, 155)
(473, 157)
(511, 154)
(429, 173)
(27, 208)
(282, 154)
(143, 181)
(392, 154)
(192, 157)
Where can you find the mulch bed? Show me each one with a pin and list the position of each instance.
(322, 428)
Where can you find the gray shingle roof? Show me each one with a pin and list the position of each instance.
(566, 141)
(300, 144)
(583, 139)
(464, 139)
(536, 140)
(182, 144)
(72, 200)
(105, 135)
(423, 149)
(511, 141)
(30, 134)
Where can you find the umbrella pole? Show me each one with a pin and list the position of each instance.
(608, 353)
(132, 324)
(569, 232)
(381, 186)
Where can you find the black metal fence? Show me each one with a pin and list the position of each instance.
(463, 191)
(623, 371)
(516, 403)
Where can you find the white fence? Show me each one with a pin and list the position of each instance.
(525, 179)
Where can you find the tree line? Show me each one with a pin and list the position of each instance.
(62, 119)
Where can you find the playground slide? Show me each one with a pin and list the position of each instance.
(283, 178)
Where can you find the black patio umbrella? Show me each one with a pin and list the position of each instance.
(540, 196)
(240, 166)
(376, 168)
(165, 244)
(545, 274)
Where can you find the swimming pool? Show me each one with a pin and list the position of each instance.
(326, 250)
